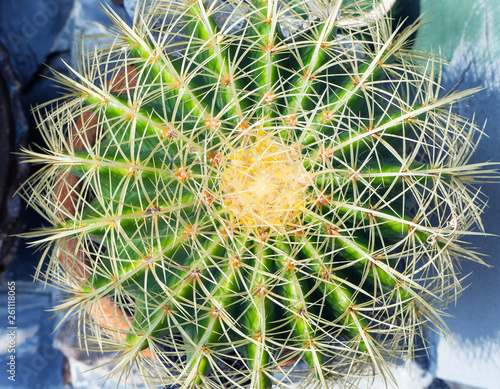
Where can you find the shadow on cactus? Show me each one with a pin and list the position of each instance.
(273, 197)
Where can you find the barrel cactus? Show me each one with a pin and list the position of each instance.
(253, 193)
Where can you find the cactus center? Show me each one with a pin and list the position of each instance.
(264, 184)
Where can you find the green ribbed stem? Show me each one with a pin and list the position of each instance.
(262, 189)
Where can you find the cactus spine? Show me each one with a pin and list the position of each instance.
(275, 196)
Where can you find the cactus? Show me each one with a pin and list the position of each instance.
(248, 194)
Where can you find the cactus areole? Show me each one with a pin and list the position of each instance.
(264, 184)
(256, 193)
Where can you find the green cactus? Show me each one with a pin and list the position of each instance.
(277, 196)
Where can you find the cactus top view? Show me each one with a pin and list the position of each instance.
(256, 193)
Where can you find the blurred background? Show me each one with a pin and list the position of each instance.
(37, 33)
